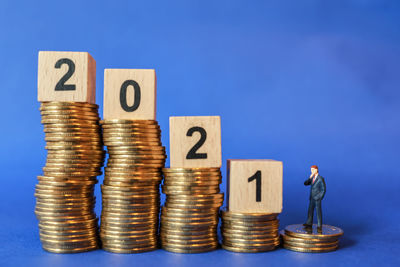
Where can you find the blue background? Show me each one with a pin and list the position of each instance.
(306, 82)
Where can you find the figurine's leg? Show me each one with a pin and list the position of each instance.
(311, 207)
(319, 212)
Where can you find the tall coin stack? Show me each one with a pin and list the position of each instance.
(189, 218)
(65, 193)
(298, 238)
(131, 189)
(249, 232)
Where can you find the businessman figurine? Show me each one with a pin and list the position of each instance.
(317, 193)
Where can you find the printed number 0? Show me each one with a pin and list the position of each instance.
(192, 154)
(61, 86)
(122, 96)
(257, 177)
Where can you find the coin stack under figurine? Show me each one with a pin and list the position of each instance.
(298, 238)
(131, 188)
(189, 218)
(65, 193)
(249, 232)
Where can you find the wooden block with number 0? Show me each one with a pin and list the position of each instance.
(66, 77)
(195, 142)
(130, 94)
(254, 186)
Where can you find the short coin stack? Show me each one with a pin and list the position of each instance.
(189, 218)
(249, 232)
(298, 238)
(65, 193)
(131, 189)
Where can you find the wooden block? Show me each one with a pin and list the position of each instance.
(66, 76)
(195, 142)
(254, 186)
(129, 94)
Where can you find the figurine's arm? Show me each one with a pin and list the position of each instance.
(308, 181)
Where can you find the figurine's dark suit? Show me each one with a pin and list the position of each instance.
(317, 193)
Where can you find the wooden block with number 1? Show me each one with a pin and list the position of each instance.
(66, 77)
(254, 186)
(195, 142)
(130, 94)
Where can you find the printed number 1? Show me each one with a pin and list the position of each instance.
(257, 177)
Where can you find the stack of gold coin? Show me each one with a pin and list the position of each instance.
(249, 232)
(65, 192)
(131, 189)
(298, 238)
(189, 218)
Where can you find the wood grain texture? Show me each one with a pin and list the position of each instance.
(113, 80)
(180, 143)
(84, 77)
(241, 193)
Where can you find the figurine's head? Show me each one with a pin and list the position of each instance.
(314, 169)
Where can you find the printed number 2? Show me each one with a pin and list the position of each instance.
(61, 86)
(192, 154)
(257, 177)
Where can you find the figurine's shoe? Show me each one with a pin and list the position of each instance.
(307, 225)
(319, 229)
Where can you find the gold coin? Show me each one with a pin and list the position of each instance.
(190, 220)
(174, 242)
(68, 103)
(189, 250)
(65, 108)
(129, 189)
(192, 206)
(188, 192)
(219, 196)
(52, 249)
(126, 121)
(328, 232)
(68, 232)
(252, 223)
(136, 148)
(189, 247)
(93, 133)
(227, 215)
(249, 234)
(69, 111)
(62, 117)
(131, 135)
(138, 138)
(68, 218)
(288, 238)
(248, 250)
(138, 156)
(310, 250)
(312, 245)
(69, 224)
(134, 161)
(191, 170)
(184, 213)
(62, 127)
(129, 250)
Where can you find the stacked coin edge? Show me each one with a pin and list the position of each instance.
(130, 191)
(300, 239)
(189, 218)
(249, 232)
(65, 192)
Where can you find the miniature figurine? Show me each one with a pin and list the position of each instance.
(317, 193)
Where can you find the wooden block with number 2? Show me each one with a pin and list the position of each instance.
(66, 77)
(254, 186)
(195, 142)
